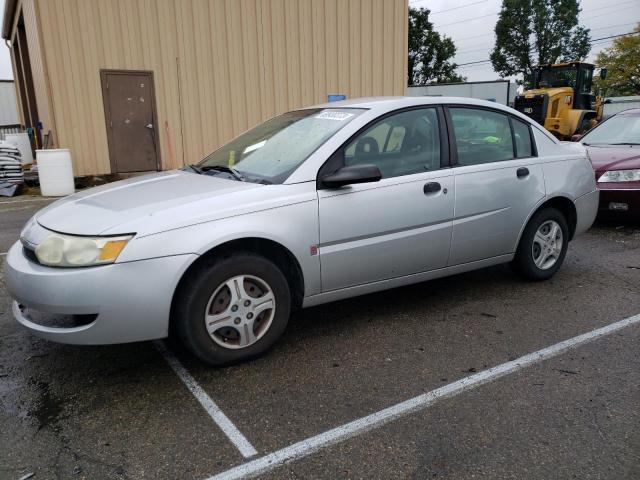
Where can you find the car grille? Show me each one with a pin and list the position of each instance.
(534, 108)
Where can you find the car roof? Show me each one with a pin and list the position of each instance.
(381, 105)
(393, 103)
(632, 111)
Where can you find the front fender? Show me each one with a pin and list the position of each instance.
(294, 226)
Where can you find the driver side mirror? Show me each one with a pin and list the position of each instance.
(352, 174)
(576, 137)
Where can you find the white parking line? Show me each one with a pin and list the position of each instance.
(218, 416)
(30, 200)
(2, 254)
(362, 425)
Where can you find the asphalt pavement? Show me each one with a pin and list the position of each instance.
(121, 412)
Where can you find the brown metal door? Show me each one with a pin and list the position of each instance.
(129, 103)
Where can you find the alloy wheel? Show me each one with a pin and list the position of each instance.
(240, 311)
(547, 245)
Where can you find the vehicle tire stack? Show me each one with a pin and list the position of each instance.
(11, 176)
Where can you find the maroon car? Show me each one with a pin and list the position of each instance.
(614, 149)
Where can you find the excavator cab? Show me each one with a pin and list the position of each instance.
(559, 98)
(577, 75)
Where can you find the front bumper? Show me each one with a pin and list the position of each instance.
(130, 301)
(619, 200)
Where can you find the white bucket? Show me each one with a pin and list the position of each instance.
(21, 140)
(55, 172)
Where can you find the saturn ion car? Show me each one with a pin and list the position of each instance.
(314, 205)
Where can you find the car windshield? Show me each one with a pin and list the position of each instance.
(621, 129)
(270, 152)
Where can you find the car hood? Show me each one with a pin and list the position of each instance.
(147, 204)
(614, 157)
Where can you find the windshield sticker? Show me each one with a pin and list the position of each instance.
(330, 115)
(255, 146)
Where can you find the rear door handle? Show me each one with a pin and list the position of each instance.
(431, 187)
(522, 172)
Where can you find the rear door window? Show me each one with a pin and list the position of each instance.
(482, 136)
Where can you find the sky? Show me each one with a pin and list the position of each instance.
(470, 24)
(471, 28)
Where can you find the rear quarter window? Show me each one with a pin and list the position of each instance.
(522, 136)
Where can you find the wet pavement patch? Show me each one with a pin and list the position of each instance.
(48, 407)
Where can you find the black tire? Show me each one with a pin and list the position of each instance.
(524, 262)
(584, 127)
(192, 301)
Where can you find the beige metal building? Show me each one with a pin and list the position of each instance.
(138, 85)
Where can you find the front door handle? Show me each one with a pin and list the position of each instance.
(149, 126)
(522, 172)
(431, 187)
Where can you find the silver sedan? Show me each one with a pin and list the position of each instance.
(312, 206)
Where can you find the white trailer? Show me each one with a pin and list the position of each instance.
(614, 105)
(499, 91)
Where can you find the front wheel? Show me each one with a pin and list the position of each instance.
(543, 245)
(232, 309)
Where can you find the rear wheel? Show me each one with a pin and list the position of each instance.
(543, 245)
(586, 124)
(232, 309)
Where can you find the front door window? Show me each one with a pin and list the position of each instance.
(401, 144)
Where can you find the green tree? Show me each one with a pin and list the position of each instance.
(622, 61)
(535, 32)
(429, 53)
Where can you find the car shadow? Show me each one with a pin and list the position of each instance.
(323, 323)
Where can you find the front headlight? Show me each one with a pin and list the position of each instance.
(620, 176)
(58, 250)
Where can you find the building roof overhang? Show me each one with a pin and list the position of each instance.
(7, 18)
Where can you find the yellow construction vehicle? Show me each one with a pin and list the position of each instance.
(560, 98)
